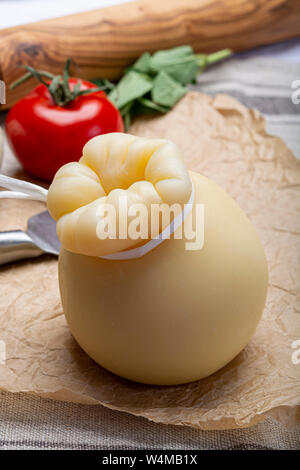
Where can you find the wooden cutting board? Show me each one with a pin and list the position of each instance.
(103, 42)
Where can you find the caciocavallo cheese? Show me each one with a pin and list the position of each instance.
(178, 313)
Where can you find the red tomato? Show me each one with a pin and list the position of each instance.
(45, 136)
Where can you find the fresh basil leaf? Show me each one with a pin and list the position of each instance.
(132, 85)
(156, 83)
(151, 106)
(142, 65)
(126, 109)
(170, 55)
(166, 91)
(127, 113)
(144, 106)
(180, 63)
(127, 121)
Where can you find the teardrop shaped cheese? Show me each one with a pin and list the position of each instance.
(174, 315)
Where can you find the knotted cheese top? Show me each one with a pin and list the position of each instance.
(114, 167)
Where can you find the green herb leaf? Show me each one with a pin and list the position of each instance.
(166, 91)
(143, 106)
(142, 65)
(132, 85)
(127, 121)
(171, 55)
(154, 84)
(152, 107)
(126, 109)
(126, 113)
(180, 63)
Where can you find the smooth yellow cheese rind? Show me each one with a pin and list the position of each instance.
(172, 316)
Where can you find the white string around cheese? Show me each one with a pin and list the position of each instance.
(140, 251)
(37, 193)
(19, 189)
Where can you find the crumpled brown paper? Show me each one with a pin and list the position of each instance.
(227, 142)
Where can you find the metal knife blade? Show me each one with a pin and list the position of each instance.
(41, 229)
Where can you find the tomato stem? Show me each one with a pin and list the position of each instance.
(58, 85)
(28, 75)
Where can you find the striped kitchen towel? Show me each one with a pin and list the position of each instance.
(266, 83)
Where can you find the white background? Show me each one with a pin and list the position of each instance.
(15, 12)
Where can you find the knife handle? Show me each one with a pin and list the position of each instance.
(16, 245)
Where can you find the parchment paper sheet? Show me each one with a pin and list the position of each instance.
(223, 140)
